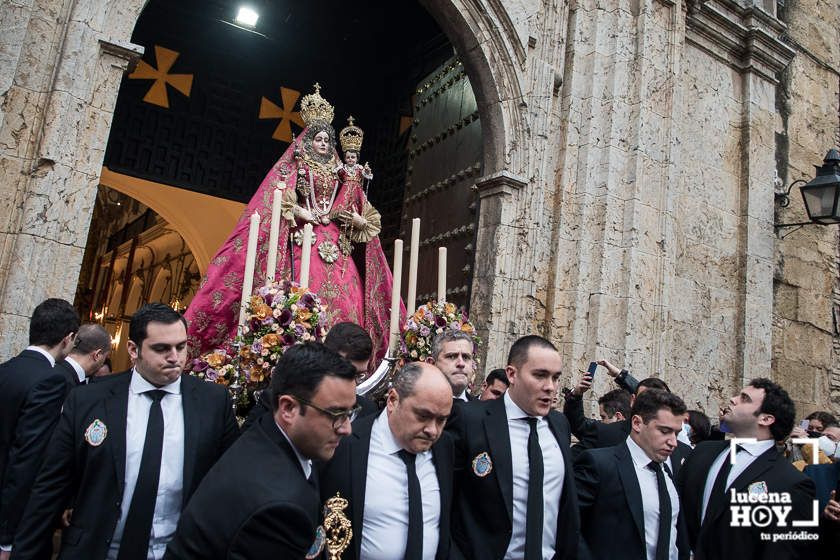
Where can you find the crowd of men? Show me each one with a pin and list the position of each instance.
(151, 463)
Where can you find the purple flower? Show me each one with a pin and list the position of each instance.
(440, 322)
(289, 339)
(285, 318)
(269, 298)
(198, 365)
(299, 330)
(257, 347)
(455, 326)
(307, 300)
(425, 331)
(211, 374)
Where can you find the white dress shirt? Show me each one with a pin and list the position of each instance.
(553, 472)
(462, 396)
(80, 373)
(748, 453)
(170, 487)
(43, 352)
(650, 501)
(385, 518)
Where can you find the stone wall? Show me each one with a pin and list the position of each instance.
(805, 314)
(627, 210)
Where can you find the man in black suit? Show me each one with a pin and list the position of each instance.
(352, 343)
(763, 411)
(91, 348)
(129, 451)
(31, 393)
(593, 434)
(452, 353)
(261, 499)
(516, 495)
(632, 481)
(375, 468)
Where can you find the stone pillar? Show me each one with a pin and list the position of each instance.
(498, 241)
(62, 86)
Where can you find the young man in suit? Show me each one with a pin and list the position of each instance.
(376, 467)
(91, 348)
(452, 353)
(629, 506)
(129, 451)
(352, 343)
(261, 499)
(593, 434)
(31, 393)
(516, 495)
(763, 411)
(494, 385)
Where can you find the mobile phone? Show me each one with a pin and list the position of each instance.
(593, 366)
(804, 424)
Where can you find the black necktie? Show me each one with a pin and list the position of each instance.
(534, 513)
(134, 544)
(414, 544)
(663, 539)
(718, 495)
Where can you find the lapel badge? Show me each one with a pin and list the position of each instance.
(96, 433)
(757, 488)
(317, 546)
(482, 465)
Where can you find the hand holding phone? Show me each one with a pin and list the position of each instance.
(593, 367)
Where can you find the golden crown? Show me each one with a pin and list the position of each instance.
(313, 108)
(351, 137)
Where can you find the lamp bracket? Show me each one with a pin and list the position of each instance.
(784, 197)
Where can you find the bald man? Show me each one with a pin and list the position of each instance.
(405, 458)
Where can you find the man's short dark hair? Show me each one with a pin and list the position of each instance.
(825, 418)
(651, 401)
(52, 320)
(497, 375)
(406, 378)
(617, 400)
(151, 313)
(351, 340)
(778, 403)
(91, 337)
(653, 383)
(302, 367)
(701, 427)
(518, 354)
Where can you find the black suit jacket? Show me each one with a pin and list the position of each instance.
(93, 477)
(346, 473)
(610, 497)
(482, 515)
(69, 374)
(716, 539)
(255, 503)
(594, 434)
(31, 394)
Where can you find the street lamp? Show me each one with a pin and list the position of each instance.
(821, 194)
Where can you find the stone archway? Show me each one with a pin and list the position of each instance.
(61, 101)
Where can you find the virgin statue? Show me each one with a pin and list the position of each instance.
(348, 269)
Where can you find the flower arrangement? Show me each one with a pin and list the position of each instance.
(278, 315)
(430, 320)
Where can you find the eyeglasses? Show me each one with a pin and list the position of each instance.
(338, 417)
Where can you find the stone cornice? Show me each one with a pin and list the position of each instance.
(746, 38)
(129, 52)
(500, 183)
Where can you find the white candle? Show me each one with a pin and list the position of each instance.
(441, 287)
(305, 255)
(250, 265)
(273, 234)
(411, 300)
(393, 340)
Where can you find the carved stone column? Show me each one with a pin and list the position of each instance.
(497, 243)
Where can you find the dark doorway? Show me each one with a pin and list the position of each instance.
(208, 109)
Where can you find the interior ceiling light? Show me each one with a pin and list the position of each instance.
(247, 17)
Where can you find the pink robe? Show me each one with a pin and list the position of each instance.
(363, 299)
